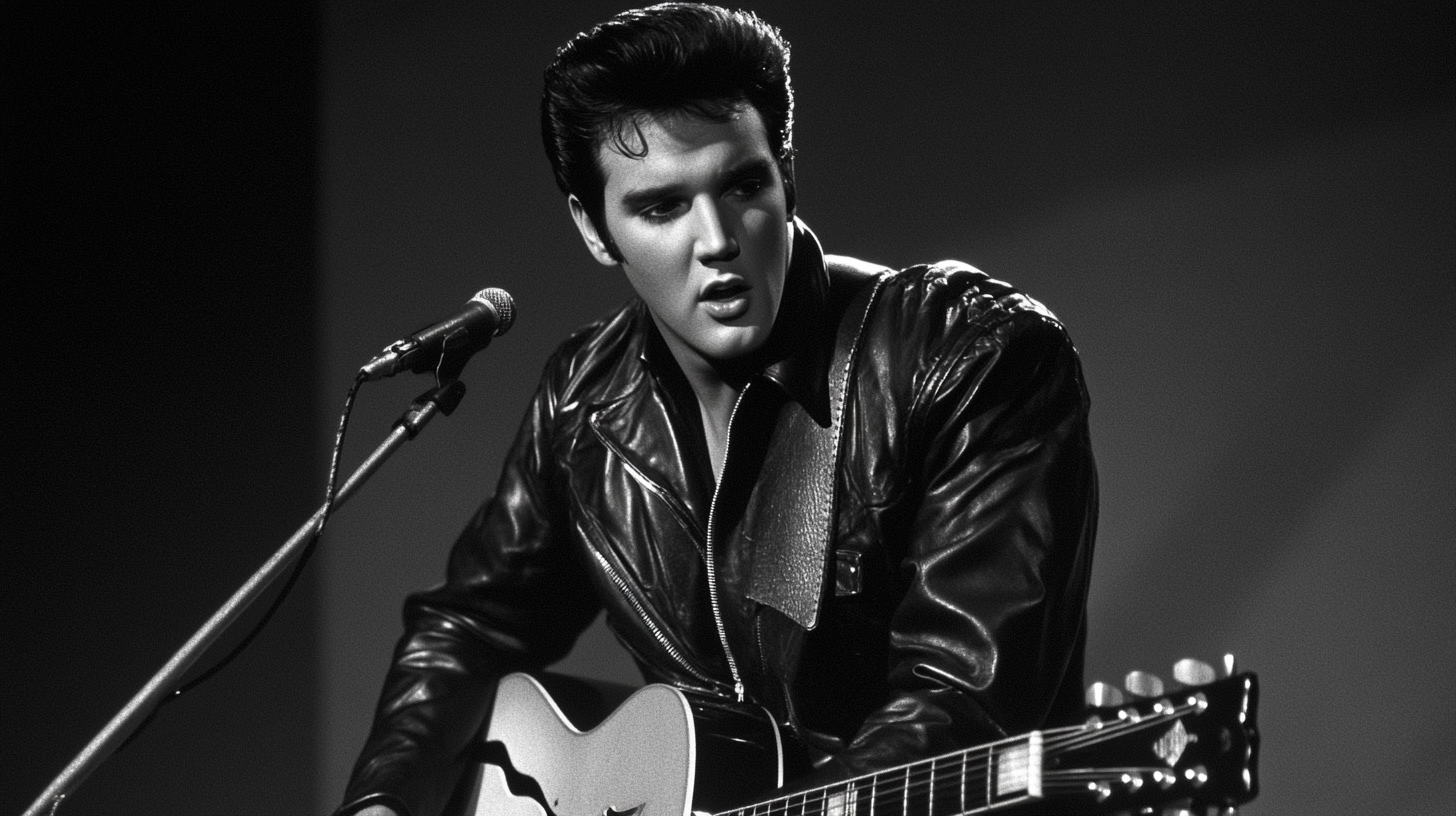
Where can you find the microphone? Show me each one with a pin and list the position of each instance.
(447, 345)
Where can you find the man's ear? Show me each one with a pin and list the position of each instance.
(595, 244)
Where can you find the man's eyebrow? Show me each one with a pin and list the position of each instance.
(638, 199)
(756, 167)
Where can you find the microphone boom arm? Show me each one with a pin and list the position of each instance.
(441, 399)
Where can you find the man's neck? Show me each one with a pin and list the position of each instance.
(716, 399)
(715, 387)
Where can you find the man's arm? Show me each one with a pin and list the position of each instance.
(513, 600)
(987, 639)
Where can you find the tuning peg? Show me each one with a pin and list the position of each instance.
(1099, 694)
(1228, 665)
(1192, 672)
(1142, 684)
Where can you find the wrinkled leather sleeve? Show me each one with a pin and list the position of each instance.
(993, 549)
(513, 600)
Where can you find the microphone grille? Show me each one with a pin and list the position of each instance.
(504, 304)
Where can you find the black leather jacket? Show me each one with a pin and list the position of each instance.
(953, 605)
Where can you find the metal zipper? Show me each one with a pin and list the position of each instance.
(657, 633)
(708, 554)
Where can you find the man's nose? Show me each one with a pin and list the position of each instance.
(716, 240)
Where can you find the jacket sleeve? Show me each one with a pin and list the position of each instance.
(987, 638)
(513, 600)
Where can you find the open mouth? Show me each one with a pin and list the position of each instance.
(726, 290)
(727, 300)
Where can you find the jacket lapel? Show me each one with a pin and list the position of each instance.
(633, 418)
(790, 514)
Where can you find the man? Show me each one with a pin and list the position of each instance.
(930, 423)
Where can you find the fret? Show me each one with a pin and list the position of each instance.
(965, 757)
(990, 774)
(905, 798)
(930, 791)
(944, 782)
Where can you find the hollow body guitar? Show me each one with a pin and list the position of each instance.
(664, 754)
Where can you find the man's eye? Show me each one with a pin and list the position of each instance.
(748, 188)
(663, 211)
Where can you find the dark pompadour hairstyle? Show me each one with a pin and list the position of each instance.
(671, 58)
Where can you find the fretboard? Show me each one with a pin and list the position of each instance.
(977, 780)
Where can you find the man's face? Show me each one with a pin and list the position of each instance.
(701, 225)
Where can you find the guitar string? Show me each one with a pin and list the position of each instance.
(893, 791)
(885, 800)
(923, 776)
(1123, 728)
(885, 791)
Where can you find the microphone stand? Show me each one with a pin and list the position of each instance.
(441, 399)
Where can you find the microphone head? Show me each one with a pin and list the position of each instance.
(504, 305)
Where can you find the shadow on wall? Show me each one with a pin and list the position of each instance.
(1272, 403)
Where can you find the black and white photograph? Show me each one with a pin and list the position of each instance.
(767, 409)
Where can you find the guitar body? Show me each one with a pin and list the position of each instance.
(658, 754)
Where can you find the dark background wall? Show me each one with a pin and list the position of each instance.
(1244, 215)
(159, 290)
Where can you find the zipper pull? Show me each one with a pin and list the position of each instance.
(738, 690)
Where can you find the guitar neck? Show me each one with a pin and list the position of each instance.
(1142, 754)
(977, 780)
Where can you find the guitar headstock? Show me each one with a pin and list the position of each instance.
(1192, 747)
